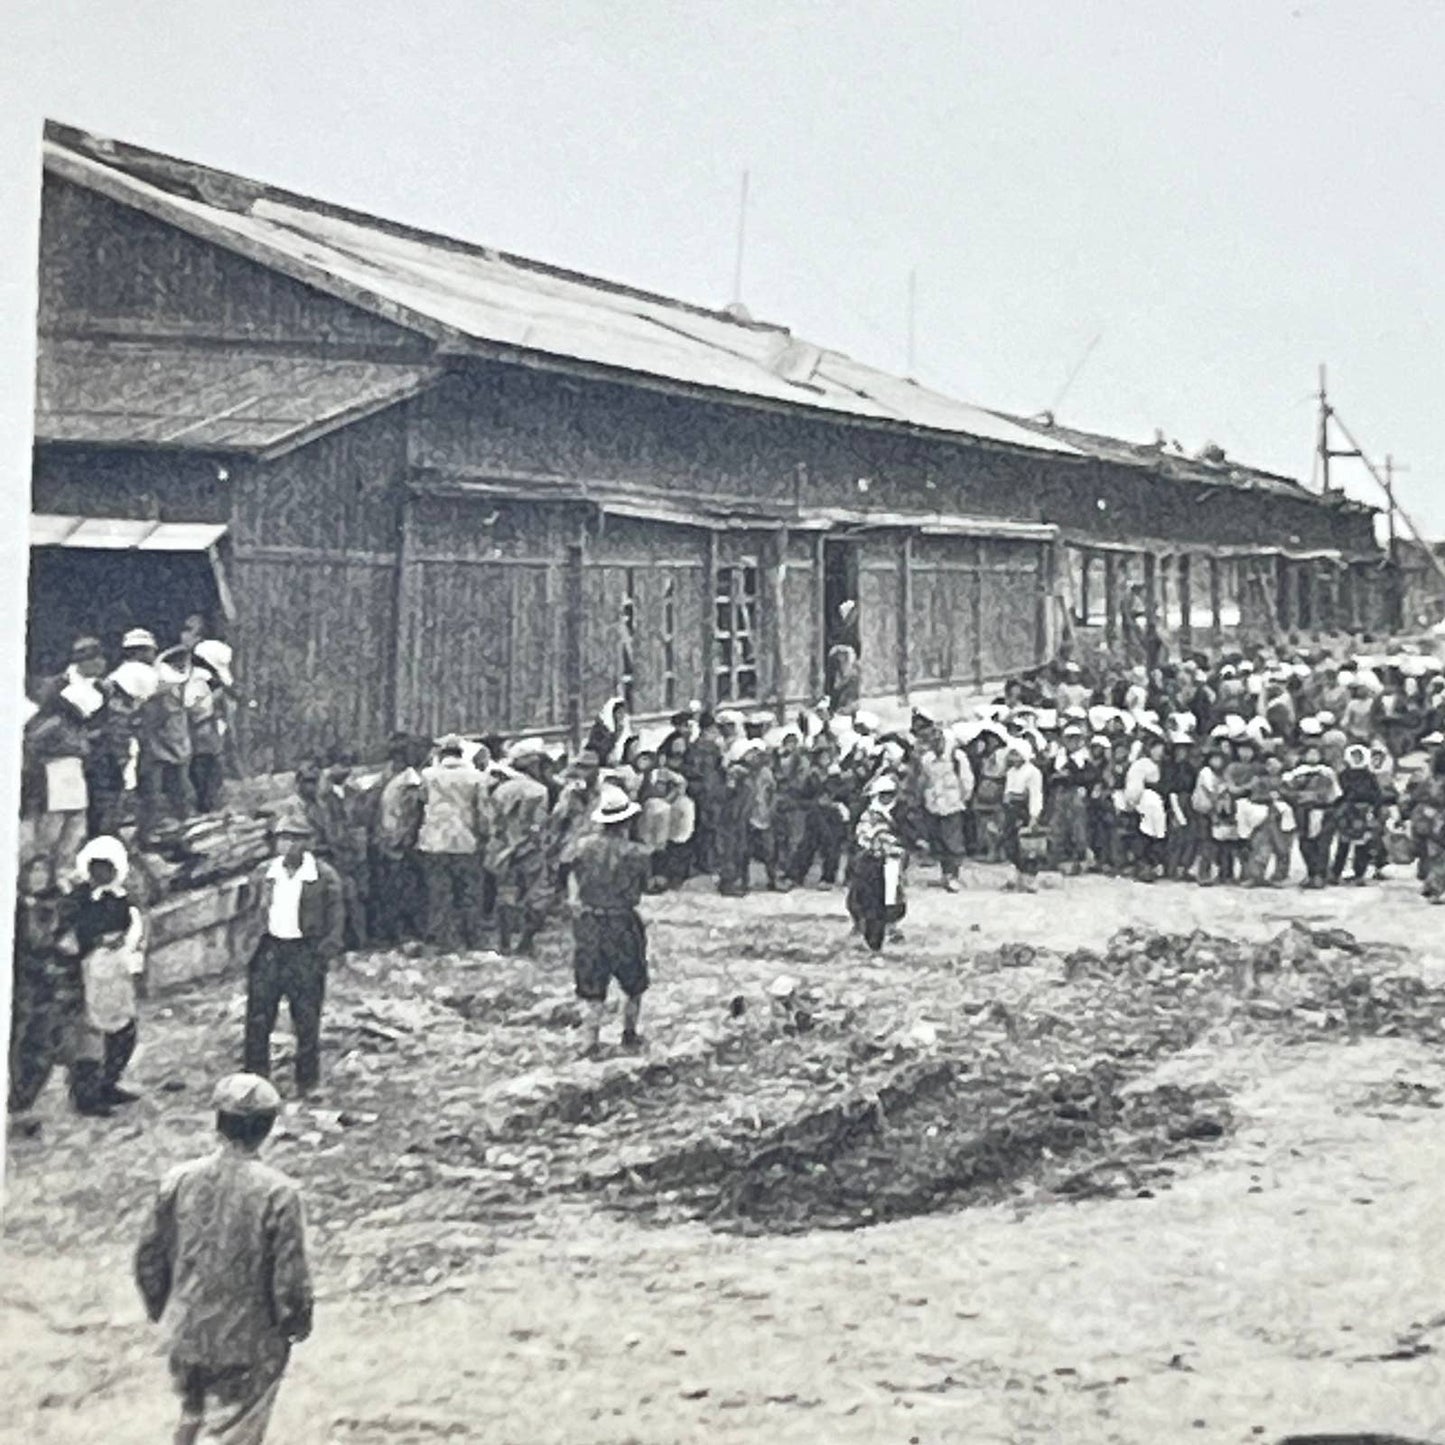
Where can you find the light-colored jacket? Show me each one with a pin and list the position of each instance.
(1024, 782)
(222, 1263)
(946, 780)
(454, 808)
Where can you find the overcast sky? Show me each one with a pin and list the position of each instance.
(1224, 195)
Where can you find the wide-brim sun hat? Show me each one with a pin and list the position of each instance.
(138, 680)
(218, 657)
(614, 806)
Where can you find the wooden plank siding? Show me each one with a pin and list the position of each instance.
(340, 493)
(878, 594)
(80, 481)
(975, 609)
(106, 269)
(312, 639)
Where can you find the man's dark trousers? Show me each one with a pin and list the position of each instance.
(290, 969)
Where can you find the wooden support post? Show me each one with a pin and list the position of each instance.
(975, 611)
(1151, 594)
(1111, 600)
(1281, 594)
(1304, 596)
(1349, 605)
(404, 640)
(775, 622)
(1216, 605)
(1186, 600)
(818, 666)
(573, 602)
(1086, 567)
(905, 607)
(708, 689)
(1047, 574)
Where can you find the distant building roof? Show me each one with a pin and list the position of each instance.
(1210, 466)
(145, 394)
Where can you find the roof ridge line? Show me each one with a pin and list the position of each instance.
(106, 151)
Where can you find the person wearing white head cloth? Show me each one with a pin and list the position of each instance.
(875, 881)
(206, 697)
(1024, 841)
(163, 784)
(1144, 800)
(110, 937)
(55, 794)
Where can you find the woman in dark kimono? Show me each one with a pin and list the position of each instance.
(875, 885)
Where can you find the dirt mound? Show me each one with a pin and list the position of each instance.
(1042, 1097)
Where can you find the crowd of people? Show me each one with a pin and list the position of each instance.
(1243, 770)
(143, 736)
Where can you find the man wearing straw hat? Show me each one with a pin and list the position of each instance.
(609, 876)
(222, 1266)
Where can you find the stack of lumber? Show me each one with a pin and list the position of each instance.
(212, 847)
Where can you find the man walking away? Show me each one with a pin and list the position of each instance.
(303, 910)
(450, 841)
(517, 851)
(222, 1265)
(395, 870)
(609, 874)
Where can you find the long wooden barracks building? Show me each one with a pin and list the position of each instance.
(421, 484)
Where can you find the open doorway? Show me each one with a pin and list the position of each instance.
(102, 593)
(842, 638)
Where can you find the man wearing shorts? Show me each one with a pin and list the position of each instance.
(609, 874)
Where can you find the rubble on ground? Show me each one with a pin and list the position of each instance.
(780, 1091)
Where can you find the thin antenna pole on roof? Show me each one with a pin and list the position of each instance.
(742, 240)
(1073, 375)
(912, 321)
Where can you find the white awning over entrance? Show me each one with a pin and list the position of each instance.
(120, 534)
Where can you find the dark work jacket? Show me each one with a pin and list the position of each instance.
(323, 906)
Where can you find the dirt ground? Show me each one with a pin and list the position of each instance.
(512, 1245)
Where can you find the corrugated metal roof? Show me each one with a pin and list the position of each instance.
(460, 293)
(138, 393)
(1168, 460)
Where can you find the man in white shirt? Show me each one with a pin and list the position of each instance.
(946, 784)
(303, 911)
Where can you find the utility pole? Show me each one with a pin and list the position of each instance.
(1397, 577)
(742, 239)
(1322, 441)
(912, 320)
(1390, 508)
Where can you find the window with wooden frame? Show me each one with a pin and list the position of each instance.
(735, 633)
